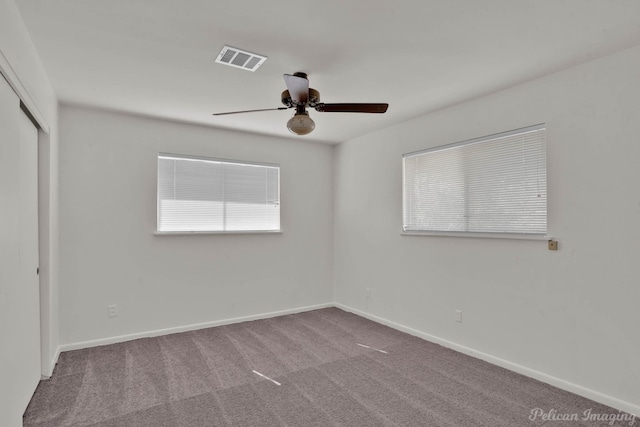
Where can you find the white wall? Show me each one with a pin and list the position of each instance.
(570, 315)
(28, 72)
(109, 255)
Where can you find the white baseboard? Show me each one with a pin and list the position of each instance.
(185, 328)
(532, 373)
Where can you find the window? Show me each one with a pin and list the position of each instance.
(197, 194)
(494, 184)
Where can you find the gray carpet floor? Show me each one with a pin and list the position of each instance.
(320, 368)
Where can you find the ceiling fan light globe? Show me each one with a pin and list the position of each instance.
(301, 124)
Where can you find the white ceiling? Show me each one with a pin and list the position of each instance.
(156, 57)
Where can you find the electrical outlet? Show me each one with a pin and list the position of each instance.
(113, 311)
(459, 316)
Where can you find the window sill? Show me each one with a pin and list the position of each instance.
(191, 233)
(507, 236)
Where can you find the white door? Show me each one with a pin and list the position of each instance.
(29, 254)
(19, 284)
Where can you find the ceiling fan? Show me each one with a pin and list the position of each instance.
(300, 96)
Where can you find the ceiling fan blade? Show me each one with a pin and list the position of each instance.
(250, 111)
(352, 108)
(298, 87)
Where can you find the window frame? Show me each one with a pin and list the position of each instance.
(478, 234)
(159, 232)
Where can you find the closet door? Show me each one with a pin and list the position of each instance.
(29, 254)
(19, 284)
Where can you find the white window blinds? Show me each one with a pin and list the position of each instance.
(201, 194)
(494, 184)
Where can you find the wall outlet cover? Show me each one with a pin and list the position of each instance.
(113, 310)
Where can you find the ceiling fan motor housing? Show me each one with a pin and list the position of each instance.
(314, 98)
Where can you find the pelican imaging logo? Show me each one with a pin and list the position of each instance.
(588, 415)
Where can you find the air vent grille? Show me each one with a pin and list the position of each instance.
(239, 58)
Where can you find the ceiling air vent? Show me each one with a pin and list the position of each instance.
(240, 58)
